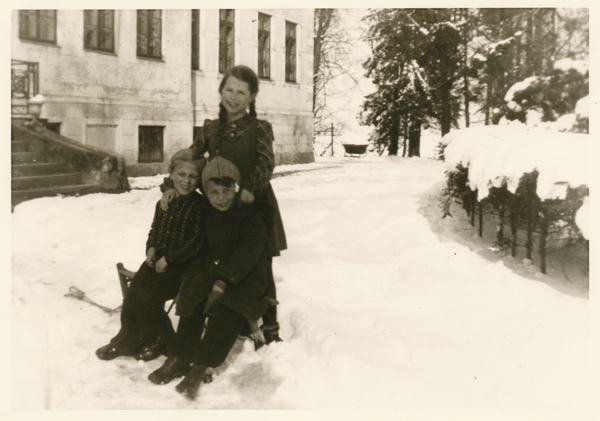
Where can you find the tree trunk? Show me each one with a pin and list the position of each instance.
(394, 135)
(414, 138)
(405, 136)
(322, 20)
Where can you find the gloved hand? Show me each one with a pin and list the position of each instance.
(215, 295)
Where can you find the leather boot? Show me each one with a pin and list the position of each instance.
(271, 333)
(190, 385)
(108, 352)
(172, 367)
(153, 351)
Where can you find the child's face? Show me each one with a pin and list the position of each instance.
(185, 177)
(236, 96)
(220, 197)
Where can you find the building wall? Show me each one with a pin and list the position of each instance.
(288, 106)
(103, 98)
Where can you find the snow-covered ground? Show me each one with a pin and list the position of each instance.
(381, 308)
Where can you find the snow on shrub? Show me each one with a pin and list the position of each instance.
(539, 100)
(527, 176)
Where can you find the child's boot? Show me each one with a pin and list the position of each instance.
(153, 351)
(172, 367)
(190, 385)
(108, 352)
(271, 333)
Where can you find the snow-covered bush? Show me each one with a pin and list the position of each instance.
(534, 181)
(542, 99)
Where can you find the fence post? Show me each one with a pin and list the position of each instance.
(480, 219)
(543, 235)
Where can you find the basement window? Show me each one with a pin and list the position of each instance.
(150, 144)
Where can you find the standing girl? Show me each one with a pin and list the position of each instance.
(246, 141)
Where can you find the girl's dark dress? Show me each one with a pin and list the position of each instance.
(248, 143)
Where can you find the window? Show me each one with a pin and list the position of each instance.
(195, 39)
(149, 30)
(150, 144)
(99, 30)
(226, 21)
(264, 46)
(290, 51)
(38, 25)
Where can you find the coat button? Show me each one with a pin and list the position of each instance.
(217, 262)
(232, 135)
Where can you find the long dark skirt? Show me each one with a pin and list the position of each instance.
(143, 316)
(277, 240)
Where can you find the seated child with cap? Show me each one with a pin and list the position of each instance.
(174, 241)
(226, 285)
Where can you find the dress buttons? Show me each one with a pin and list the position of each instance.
(217, 262)
(234, 126)
(232, 135)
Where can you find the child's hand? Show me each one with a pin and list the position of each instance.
(167, 196)
(246, 197)
(161, 265)
(150, 256)
(215, 295)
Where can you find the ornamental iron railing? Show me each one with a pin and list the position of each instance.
(24, 84)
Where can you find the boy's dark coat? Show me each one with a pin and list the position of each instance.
(237, 255)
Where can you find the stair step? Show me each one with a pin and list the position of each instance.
(26, 157)
(19, 146)
(35, 182)
(22, 195)
(43, 168)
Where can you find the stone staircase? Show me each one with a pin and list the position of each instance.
(45, 164)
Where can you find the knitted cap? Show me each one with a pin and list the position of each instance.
(219, 167)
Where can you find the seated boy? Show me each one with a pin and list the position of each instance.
(226, 285)
(175, 239)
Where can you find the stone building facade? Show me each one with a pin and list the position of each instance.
(137, 82)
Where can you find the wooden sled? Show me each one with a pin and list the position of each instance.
(355, 151)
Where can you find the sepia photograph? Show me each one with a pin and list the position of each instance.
(261, 208)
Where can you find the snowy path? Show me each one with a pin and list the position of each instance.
(376, 311)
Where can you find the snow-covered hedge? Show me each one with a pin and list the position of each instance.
(536, 177)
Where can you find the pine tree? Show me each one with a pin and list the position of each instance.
(415, 66)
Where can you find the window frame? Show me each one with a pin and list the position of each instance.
(151, 21)
(143, 140)
(40, 16)
(226, 39)
(264, 46)
(109, 29)
(290, 51)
